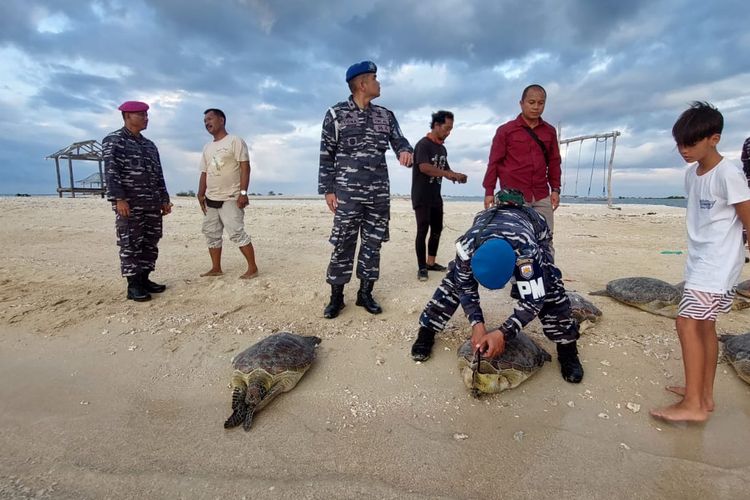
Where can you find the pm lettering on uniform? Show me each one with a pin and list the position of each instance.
(533, 288)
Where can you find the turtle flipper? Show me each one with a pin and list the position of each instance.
(248, 421)
(270, 395)
(240, 409)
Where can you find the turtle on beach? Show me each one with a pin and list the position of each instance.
(649, 294)
(584, 312)
(520, 360)
(266, 369)
(744, 288)
(737, 352)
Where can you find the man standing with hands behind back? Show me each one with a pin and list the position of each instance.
(525, 156)
(222, 192)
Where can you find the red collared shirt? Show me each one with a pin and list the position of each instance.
(518, 161)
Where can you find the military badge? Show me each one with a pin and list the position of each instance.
(525, 268)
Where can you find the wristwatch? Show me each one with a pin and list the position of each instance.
(556, 190)
(243, 193)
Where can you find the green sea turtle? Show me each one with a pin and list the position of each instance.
(744, 288)
(583, 310)
(737, 352)
(520, 360)
(266, 369)
(650, 294)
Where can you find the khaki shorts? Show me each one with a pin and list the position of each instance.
(228, 217)
(704, 305)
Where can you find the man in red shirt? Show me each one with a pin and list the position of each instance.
(525, 156)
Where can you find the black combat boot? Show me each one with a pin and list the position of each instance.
(570, 365)
(336, 304)
(364, 298)
(422, 347)
(149, 285)
(136, 291)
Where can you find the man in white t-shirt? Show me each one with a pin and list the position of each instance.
(222, 192)
(718, 208)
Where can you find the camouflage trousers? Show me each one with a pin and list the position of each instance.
(556, 318)
(137, 237)
(355, 218)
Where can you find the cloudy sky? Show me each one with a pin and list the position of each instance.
(275, 67)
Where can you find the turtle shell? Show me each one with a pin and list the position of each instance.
(520, 360)
(583, 311)
(737, 352)
(278, 353)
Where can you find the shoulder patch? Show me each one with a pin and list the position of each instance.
(525, 268)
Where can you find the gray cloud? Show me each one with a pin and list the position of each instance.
(275, 67)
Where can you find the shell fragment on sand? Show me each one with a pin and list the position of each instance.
(520, 360)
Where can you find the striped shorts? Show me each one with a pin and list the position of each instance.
(704, 305)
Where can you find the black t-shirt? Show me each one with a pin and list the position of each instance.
(425, 189)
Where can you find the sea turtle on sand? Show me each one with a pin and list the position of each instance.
(266, 369)
(739, 302)
(650, 294)
(737, 352)
(583, 310)
(520, 360)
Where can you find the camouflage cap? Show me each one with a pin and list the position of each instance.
(512, 197)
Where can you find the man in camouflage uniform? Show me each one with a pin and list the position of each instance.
(353, 176)
(136, 188)
(527, 238)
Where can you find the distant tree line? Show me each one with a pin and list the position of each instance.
(191, 194)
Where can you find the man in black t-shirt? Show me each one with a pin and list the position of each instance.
(430, 166)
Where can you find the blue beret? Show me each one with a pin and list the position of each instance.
(360, 68)
(493, 263)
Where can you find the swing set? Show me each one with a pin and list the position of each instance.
(606, 168)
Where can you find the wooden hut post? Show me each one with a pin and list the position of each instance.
(70, 173)
(59, 182)
(101, 179)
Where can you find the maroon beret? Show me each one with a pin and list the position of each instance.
(133, 106)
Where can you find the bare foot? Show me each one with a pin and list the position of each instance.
(213, 272)
(680, 391)
(249, 275)
(679, 413)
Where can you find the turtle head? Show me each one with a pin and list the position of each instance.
(256, 391)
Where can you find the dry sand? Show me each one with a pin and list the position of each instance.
(106, 398)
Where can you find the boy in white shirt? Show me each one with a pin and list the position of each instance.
(718, 207)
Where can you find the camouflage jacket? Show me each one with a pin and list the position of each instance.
(352, 149)
(528, 235)
(133, 170)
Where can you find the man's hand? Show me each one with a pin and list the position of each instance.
(491, 344)
(242, 201)
(478, 332)
(460, 178)
(202, 202)
(122, 207)
(332, 202)
(166, 209)
(488, 201)
(405, 158)
(555, 199)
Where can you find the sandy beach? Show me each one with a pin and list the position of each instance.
(107, 398)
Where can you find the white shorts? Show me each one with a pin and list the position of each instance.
(228, 217)
(704, 305)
